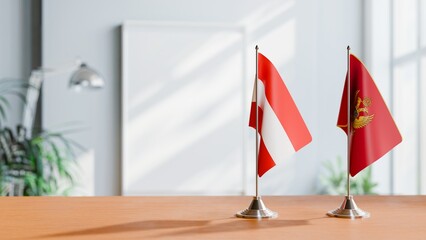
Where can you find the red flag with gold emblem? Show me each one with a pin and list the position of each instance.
(373, 130)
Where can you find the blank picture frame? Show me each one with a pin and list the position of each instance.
(183, 108)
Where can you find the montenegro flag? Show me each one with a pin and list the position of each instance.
(373, 131)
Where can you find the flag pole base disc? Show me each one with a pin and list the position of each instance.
(348, 209)
(257, 209)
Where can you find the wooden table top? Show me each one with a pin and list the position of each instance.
(300, 217)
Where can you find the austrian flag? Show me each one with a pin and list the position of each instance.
(281, 127)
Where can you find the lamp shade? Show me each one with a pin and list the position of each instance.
(86, 77)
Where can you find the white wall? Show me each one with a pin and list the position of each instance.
(15, 47)
(306, 39)
(395, 57)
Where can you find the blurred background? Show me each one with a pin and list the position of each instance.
(172, 116)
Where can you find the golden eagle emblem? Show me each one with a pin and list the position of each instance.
(361, 106)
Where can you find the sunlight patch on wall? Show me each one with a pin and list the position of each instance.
(181, 136)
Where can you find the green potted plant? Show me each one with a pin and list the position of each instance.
(35, 165)
(333, 181)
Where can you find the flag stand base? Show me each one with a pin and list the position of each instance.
(257, 209)
(348, 209)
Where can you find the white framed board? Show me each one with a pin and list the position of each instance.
(183, 109)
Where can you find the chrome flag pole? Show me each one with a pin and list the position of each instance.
(257, 121)
(257, 208)
(348, 209)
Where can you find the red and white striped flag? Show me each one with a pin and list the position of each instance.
(281, 127)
